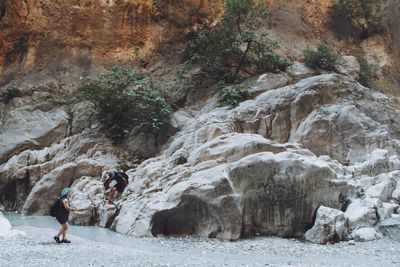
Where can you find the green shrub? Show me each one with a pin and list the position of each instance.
(124, 101)
(232, 96)
(322, 57)
(366, 71)
(235, 45)
(9, 94)
(362, 15)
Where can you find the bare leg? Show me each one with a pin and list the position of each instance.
(61, 231)
(65, 226)
(111, 195)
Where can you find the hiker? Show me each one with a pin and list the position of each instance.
(116, 183)
(60, 210)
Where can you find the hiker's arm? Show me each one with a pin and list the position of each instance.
(65, 202)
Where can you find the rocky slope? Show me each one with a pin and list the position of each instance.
(269, 166)
(309, 154)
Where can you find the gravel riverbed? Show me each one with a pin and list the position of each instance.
(92, 246)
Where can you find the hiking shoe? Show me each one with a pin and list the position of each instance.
(57, 240)
(66, 241)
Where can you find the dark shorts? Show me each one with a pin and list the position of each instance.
(62, 219)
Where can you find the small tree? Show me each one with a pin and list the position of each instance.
(235, 45)
(124, 101)
(366, 71)
(231, 96)
(364, 15)
(322, 58)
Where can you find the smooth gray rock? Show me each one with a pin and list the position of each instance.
(30, 128)
(269, 81)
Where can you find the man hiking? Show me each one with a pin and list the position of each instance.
(60, 210)
(116, 183)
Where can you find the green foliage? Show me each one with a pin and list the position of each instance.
(235, 45)
(232, 96)
(363, 15)
(366, 71)
(9, 94)
(124, 101)
(322, 57)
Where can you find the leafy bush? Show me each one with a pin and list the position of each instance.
(232, 96)
(9, 94)
(124, 101)
(235, 45)
(362, 15)
(322, 58)
(366, 71)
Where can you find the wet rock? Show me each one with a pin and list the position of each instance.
(330, 226)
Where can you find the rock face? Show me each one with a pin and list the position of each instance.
(34, 178)
(51, 35)
(316, 157)
(31, 128)
(236, 184)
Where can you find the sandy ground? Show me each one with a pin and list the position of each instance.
(93, 246)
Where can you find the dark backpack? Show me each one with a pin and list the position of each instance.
(114, 176)
(55, 208)
(126, 177)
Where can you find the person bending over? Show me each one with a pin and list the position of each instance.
(116, 183)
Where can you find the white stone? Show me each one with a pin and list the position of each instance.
(330, 226)
(361, 213)
(269, 81)
(299, 69)
(365, 234)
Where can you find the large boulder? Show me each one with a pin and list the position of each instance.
(87, 196)
(281, 192)
(330, 225)
(227, 192)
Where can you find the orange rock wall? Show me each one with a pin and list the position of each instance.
(37, 33)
